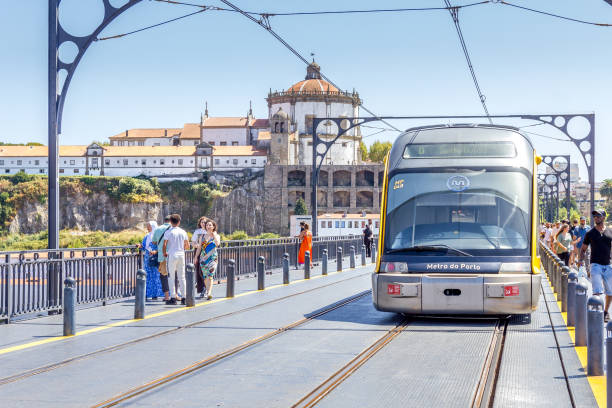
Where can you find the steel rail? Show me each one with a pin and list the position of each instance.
(136, 391)
(485, 390)
(343, 373)
(43, 369)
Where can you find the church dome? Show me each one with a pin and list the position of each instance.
(280, 115)
(313, 81)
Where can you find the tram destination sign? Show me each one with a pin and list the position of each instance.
(450, 150)
(479, 267)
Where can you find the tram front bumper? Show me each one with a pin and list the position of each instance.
(455, 293)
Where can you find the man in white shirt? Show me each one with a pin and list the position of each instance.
(547, 234)
(175, 244)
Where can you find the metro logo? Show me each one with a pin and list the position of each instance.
(511, 290)
(393, 289)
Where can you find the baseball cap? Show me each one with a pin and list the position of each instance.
(601, 213)
(583, 218)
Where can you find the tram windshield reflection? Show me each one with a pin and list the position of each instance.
(480, 212)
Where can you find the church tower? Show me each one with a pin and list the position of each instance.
(279, 138)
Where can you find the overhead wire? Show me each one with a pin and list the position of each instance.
(546, 13)
(454, 12)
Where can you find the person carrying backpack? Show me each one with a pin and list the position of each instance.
(158, 240)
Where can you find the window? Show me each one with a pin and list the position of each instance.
(223, 144)
(235, 161)
(234, 143)
(155, 144)
(140, 143)
(154, 161)
(253, 161)
(376, 224)
(7, 170)
(343, 144)
(41, 170)
(191, 161)
(72, 162)
(362, 224)
(125, 162)
(322, 224)
(343, 224)
(61, 170)
(211, 143)
(107, 162)
(143, 162)
(94, 162)
(172, 161)
(76, 170)
(329, 224)
(135, 161)
(180, 162)
(246, 161)
(227, 161)
(19, 162)
(217, 161)
(309, 143)
(1, 162)
(64, 161)
(350, 224)
(162, 161)
(337, 224)
(37, 162)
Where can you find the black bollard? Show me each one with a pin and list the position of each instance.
(190, 285)
(572, 281)
(339, 259)
(595, 336)
(69, 304)
(564, 274)
(352, 257)
(609, 363)
(324, 262)
(363, 255)
(141, 294)
(307, 265)
(581, 315)
(231, 265)
(373, 254)
(285, 268)
(261, 275)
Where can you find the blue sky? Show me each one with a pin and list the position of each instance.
(401, 64)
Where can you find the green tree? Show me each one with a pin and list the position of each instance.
(378, 151)
(300, 207)
(606, 189)
(363, 149)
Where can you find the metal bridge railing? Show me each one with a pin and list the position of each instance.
(31, 281)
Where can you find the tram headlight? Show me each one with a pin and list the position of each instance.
(515, 267)
(395, 267)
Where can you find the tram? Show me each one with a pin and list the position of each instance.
(458, 223)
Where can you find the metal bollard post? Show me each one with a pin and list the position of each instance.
(555, 280)
(261, 282)
(339, 259)
(373, 254)
(285, 268)
(190, 284)
(352, 257)
(581, 315)
(229, 289)
(324, 262)
(307, 265)
(572, 281)
(595, 336)
(140, 295)
(609, 363)
(363, 255)
(564, 274)
(69, 304)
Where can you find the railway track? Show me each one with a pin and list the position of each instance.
(49, 367)
(198, 365)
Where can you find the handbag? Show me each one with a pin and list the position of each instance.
(153, 261)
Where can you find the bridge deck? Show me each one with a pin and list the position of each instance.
(431, 362)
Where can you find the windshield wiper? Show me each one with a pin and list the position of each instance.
(424, 248)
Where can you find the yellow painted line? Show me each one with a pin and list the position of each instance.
(149, 316)
(596, 382)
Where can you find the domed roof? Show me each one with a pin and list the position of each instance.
(280, 115)
(313, 81)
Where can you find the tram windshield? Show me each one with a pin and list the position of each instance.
(477, 212)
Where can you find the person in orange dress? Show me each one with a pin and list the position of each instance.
(306, 245)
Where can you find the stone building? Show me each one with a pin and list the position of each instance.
(342, 189)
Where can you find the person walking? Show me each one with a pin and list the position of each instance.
(599, 239)
(563, 243)
(151, 263)
(579, 232)
(158, 240)
(196, 242)
(175, 244)
(207, 256)
(305, 244)
(367, 239)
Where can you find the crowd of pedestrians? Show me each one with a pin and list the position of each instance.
(164, 249)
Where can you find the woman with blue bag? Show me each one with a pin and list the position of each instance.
(151, 263)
